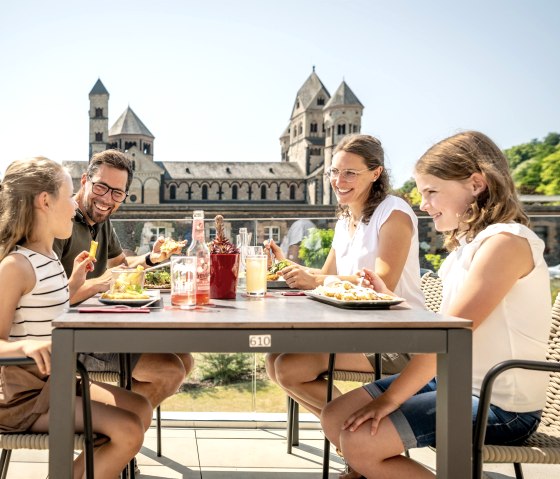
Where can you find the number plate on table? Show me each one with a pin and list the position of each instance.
(260, 340)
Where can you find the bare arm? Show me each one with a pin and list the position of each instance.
(18, 278)
(395, 237)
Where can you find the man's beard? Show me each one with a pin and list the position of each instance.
(95, 216)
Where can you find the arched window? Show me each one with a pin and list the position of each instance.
(98, 136)
(293, 192)
(234, 192)
(172, 192)
(204, 192)
(263, 192)
(99, 113)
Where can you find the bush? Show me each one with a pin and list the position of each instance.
(435, 260)
(226, 368)
(315, 247)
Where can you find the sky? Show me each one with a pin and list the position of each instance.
(216, 80)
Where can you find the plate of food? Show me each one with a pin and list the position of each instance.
(130, 298)
(344, 294)
(158, 279)
(273, 278)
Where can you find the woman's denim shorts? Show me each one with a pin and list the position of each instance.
(415, 420)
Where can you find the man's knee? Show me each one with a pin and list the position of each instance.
(161, 369)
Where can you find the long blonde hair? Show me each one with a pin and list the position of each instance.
(23, 181)
(457, 158)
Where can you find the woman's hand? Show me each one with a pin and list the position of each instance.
(372, 279)
(40, 352)
(298, 277)
(375, 411)
(273, 252)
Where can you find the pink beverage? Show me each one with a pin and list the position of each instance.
(182, 299)
(199, 249)
(183, 281)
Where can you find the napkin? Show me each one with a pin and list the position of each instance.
(114, 309)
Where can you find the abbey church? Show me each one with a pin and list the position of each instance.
(316, 123)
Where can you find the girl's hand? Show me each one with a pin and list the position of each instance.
(372, 279)
(40, 352)
(83, 263)
(375, 411)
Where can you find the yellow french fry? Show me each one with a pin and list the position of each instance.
(93, 249)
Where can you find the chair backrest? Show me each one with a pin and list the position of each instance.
(432, 288)
(551, 411)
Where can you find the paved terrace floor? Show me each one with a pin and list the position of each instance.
(234, 452)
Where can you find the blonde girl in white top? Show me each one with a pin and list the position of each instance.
(374, 230)
(494, 276)
(37, 206)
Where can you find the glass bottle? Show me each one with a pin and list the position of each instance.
(242, 244)
(199, 248)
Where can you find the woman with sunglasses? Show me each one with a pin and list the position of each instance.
(374, 230)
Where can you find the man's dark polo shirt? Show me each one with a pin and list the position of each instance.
(109, 246)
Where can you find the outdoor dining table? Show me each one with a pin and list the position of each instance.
(276, 323)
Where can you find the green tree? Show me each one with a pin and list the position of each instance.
(527, 176)
(315, 247)
(550, 174)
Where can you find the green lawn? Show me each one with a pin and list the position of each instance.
(233, 397)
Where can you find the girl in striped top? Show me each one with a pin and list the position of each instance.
(37, 206)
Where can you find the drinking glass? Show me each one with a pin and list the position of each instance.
(255, 270)
(183, 281)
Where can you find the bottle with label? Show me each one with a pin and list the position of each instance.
(199, 248)
(242, 243)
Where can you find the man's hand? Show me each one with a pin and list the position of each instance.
(164, 248)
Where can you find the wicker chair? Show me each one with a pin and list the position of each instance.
(40, 441)
(543, 447)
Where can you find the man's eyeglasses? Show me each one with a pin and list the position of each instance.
(101, 189)
(346, 175)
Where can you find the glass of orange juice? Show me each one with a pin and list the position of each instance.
(183, 281)
(255, 271)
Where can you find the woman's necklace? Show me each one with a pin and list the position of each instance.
(354, 222)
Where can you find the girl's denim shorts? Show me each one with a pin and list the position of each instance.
(415, 420)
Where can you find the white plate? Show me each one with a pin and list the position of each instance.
(356, 304)
(153, 294)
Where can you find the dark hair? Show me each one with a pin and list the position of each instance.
(457, 158)
(23, 181)
(114, 158)
(370, 149)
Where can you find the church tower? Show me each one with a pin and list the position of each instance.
(342, 116)
(98, 118)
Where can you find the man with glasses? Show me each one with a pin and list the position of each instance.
(104, 186)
